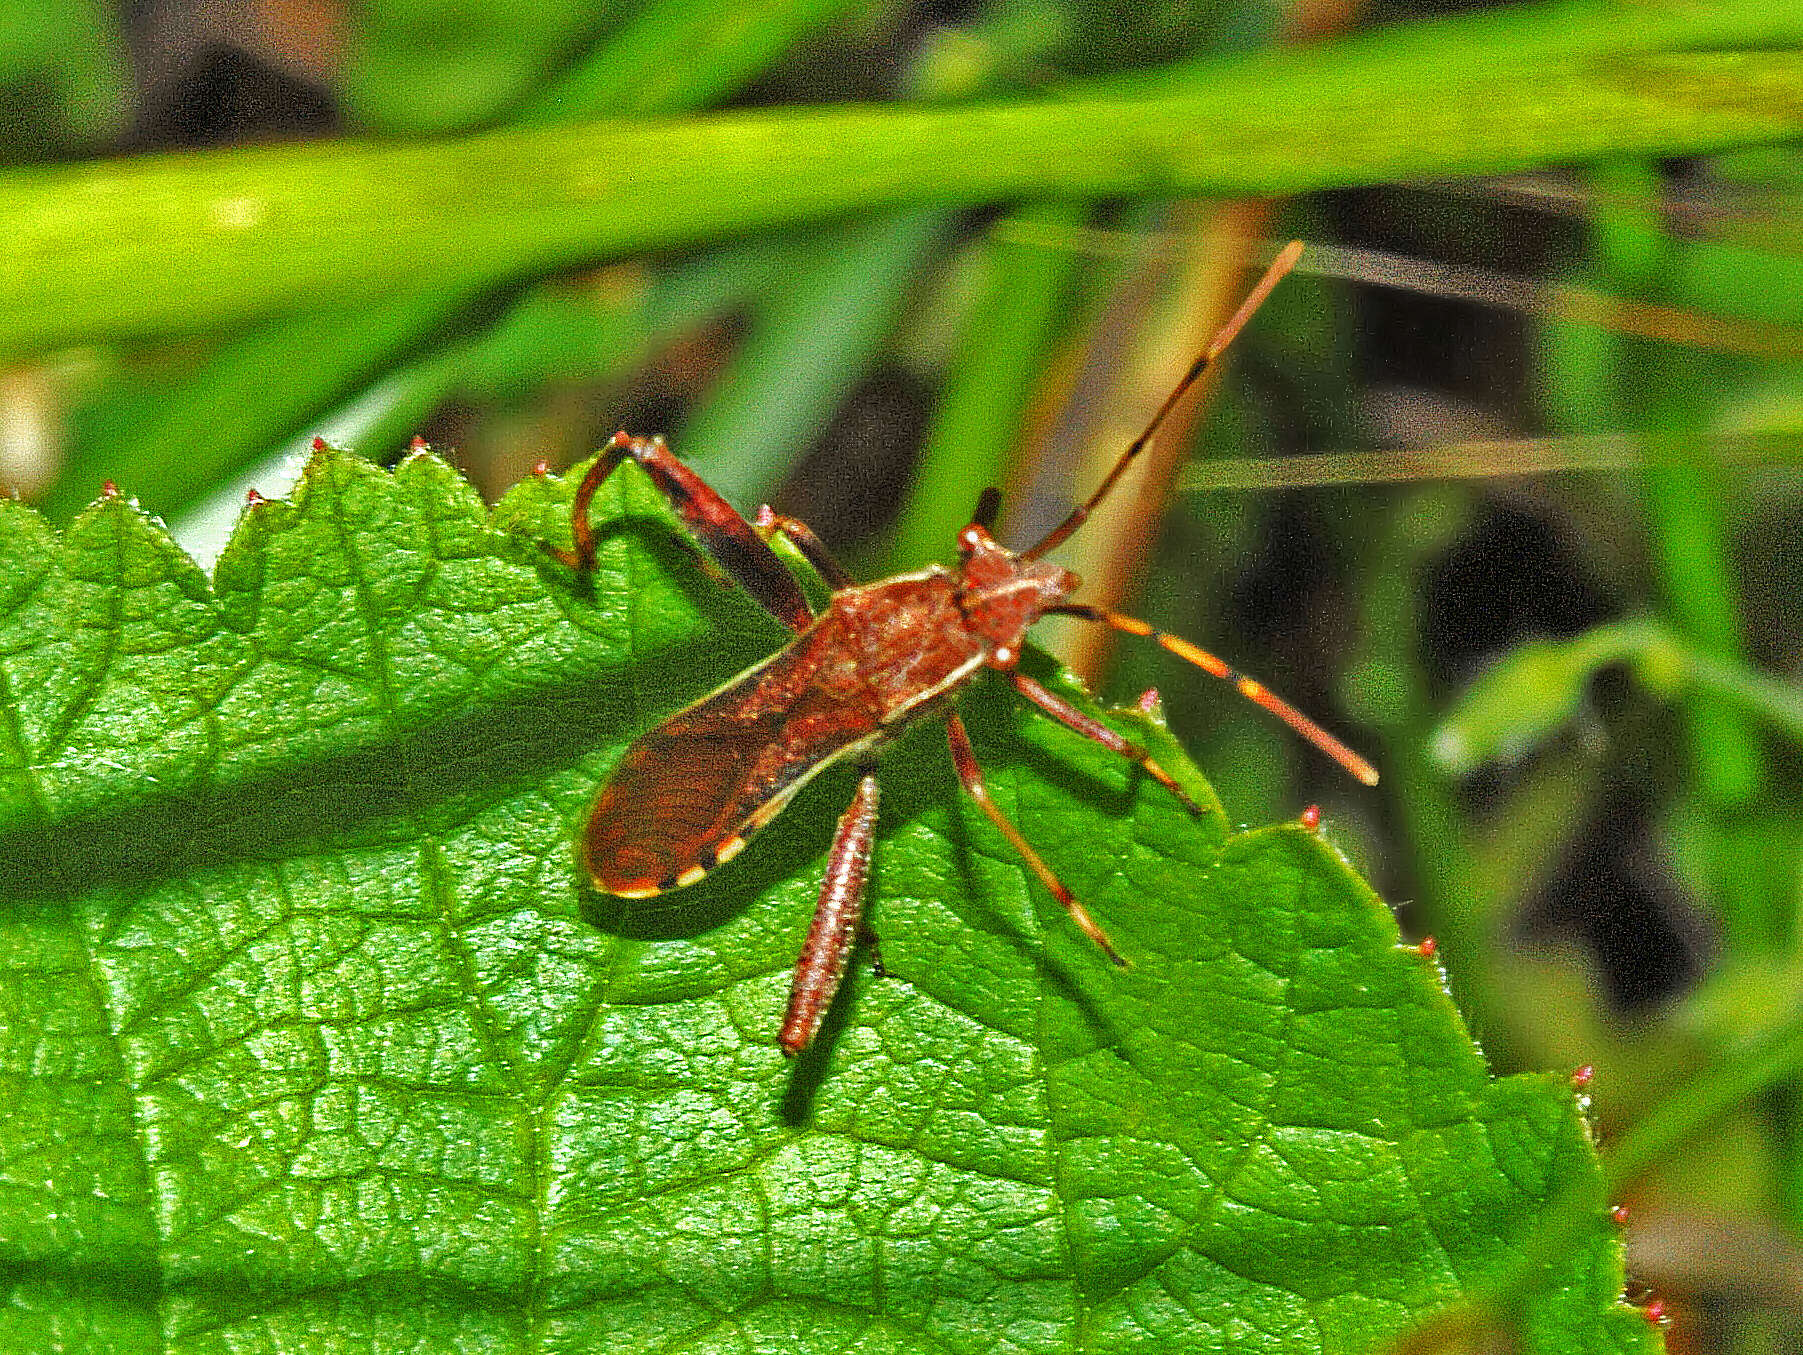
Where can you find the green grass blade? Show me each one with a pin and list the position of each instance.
(680, 54)
(813, 339)
(1001, 355)
(179, 241)
(174, 440)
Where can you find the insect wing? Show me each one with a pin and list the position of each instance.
(689, 793)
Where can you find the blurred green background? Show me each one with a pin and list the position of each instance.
(1503, 485)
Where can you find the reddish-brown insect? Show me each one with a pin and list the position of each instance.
(690, 793)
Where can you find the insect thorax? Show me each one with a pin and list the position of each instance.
(909, 638)
(1002, 595)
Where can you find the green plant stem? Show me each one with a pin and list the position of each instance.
(1686, 506)
(1389, 692)
(1656, 389)
(1001, 354)
(1730, 1080)
(185, 241)
(1658, 657)
(1537, 687)
(1777, 701)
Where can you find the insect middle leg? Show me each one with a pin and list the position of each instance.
(838, 916)
(1069, 716)
(732, 542)
(1250, 688)
(964, 758)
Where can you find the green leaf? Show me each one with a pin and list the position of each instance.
(311, 1039)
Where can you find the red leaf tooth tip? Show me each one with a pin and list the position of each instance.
(1429, 947)
(1310, 817)
(419, 444)
(766, 517)
(319, 444)
(1654, 1312)
(541, 468)
(621, 438)
(1619, 1215)
(1148, 701)
(252, 497)
(1581, 1075)
(108, 490)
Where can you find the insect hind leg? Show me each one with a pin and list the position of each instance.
(970, 775)
(733, 543)
(838, 920)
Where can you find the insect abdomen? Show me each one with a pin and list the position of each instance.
(688, 794)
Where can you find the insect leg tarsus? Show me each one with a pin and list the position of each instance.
(838, 917)
(721, 530)
(770, 522)
(582, 555)
(1072, 718)
(964, 758)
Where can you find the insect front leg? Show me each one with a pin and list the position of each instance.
(964, 758)
(820, 968)
(732, 542)
(1069, 716)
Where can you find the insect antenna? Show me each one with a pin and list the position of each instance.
(989, 507)
(1250, 688)
(1282, 264)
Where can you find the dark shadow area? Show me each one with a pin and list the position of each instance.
(1513, 575)
(1614, 894)
(138, 1283)
(221, 1298)
(852, 484)
(807, 1070)
(432, 780)
(224, 95)
(1111, 797)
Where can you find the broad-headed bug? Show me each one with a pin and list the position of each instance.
(689, 794)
